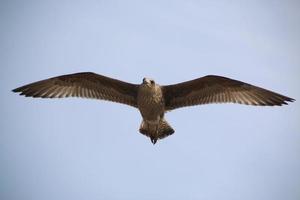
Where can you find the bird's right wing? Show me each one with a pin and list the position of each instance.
(85, 84)
(217, 89)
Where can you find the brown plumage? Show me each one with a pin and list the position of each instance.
(151, 99)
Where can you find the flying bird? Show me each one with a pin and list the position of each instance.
(151, 99)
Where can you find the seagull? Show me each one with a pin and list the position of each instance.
(152, 99)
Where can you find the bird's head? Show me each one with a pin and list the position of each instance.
(148, 82)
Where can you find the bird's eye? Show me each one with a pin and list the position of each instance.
(152, 81)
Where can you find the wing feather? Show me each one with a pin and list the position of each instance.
(85, 84)
(218, 89)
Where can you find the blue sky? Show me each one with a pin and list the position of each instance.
(87, 149)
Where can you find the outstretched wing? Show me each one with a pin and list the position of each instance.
(217, 89)
(85, 84)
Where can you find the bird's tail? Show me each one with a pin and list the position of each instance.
(163, 130)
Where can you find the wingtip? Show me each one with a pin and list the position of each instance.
(292, 100)
(288, 99)
(19, 90)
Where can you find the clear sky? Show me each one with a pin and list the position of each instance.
(87, 149)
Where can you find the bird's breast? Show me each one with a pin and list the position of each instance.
(150, 103)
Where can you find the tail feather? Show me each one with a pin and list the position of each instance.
(162, 131)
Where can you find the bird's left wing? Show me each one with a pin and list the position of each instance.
(85, 84)
(217, 89)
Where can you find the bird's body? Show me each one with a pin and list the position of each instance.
(151, 105)
(151, 99)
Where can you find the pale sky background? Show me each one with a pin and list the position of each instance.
(87, 149)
